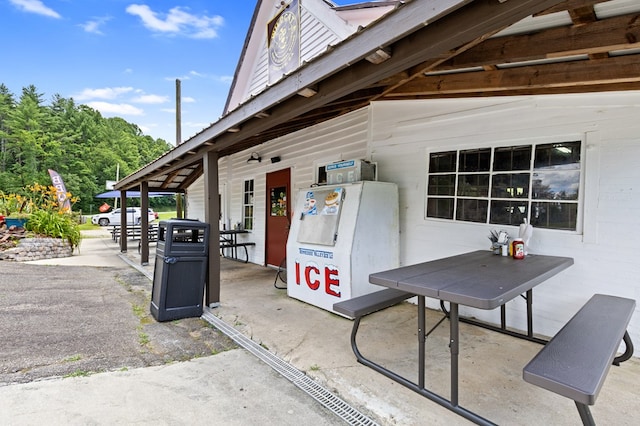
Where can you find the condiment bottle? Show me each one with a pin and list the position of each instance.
(517, 248)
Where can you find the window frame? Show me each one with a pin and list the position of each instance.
(248, 203)
(454, 197)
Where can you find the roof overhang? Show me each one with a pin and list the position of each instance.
(436, 49)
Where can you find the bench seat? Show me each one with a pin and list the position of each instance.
(577, 359)
(372, 302)
(228, 244)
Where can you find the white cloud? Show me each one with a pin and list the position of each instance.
(104, 93)
(146, 129)
(93, 26)
(35, 6)
(225, 79)
(188, 100)
(115, 109)
(151, 99)
(198, 126)
(178, 21)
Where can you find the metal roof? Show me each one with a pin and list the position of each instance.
(445, 48)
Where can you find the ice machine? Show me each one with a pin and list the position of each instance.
(339, 235)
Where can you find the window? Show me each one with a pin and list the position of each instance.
(505, 185)
(247, 205)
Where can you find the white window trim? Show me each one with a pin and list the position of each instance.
(584, 199)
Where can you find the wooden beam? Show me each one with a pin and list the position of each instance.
(571, 5)
(212, 217)
(144, 225)
(619, 33)
(623, 69)
(195, 174)
(583, 15)
(170, 178)
(436, 27)
(455, 29)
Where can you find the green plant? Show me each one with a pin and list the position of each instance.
(72, 358)
(78, 373)
(55, 224)
(15, 205)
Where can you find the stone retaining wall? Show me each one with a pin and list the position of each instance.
(37, 248)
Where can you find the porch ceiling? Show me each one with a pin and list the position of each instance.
(469, 50)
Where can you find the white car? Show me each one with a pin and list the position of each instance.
(134, 217)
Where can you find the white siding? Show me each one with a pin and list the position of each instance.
(342, 138)
(398, 135)
(315, 38)
(194, 200)
(403, 133)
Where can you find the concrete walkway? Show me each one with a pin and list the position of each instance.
(237, 388)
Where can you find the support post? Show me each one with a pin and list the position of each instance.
(212, 215)
(144, 223)
(123, 221)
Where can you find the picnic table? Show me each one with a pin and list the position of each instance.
(477, 279)
(134, 232)
(229, 244)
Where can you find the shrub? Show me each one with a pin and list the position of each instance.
(55, 224)
(46, 214)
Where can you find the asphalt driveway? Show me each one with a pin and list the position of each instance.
(78, 320)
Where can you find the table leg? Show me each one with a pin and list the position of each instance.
(530, 313)
(233, 249)
(421, 340)
(419, 388)
(454, 345)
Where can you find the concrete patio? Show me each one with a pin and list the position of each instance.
(316, 342)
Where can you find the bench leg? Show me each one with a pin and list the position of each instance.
(585, 414)
(628, 351)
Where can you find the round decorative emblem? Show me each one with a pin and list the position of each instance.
(284, 40)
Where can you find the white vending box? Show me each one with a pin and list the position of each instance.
(339, 235)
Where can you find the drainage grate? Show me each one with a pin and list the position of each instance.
(295, 376)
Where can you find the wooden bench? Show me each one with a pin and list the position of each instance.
(152, 237)
(576, 361)
(134, 232)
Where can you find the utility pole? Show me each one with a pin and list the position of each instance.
(178, 114)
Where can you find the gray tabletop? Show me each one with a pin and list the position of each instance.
(478, 279)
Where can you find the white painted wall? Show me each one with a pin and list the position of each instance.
(398, 135)
(320, 26)
(340, 139)
(605, 253)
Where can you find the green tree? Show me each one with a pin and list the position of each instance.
(75, 140)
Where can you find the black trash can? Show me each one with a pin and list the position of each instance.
(180, 270)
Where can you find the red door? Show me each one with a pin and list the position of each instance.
(278, 214)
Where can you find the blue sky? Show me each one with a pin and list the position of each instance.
(122, 57)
